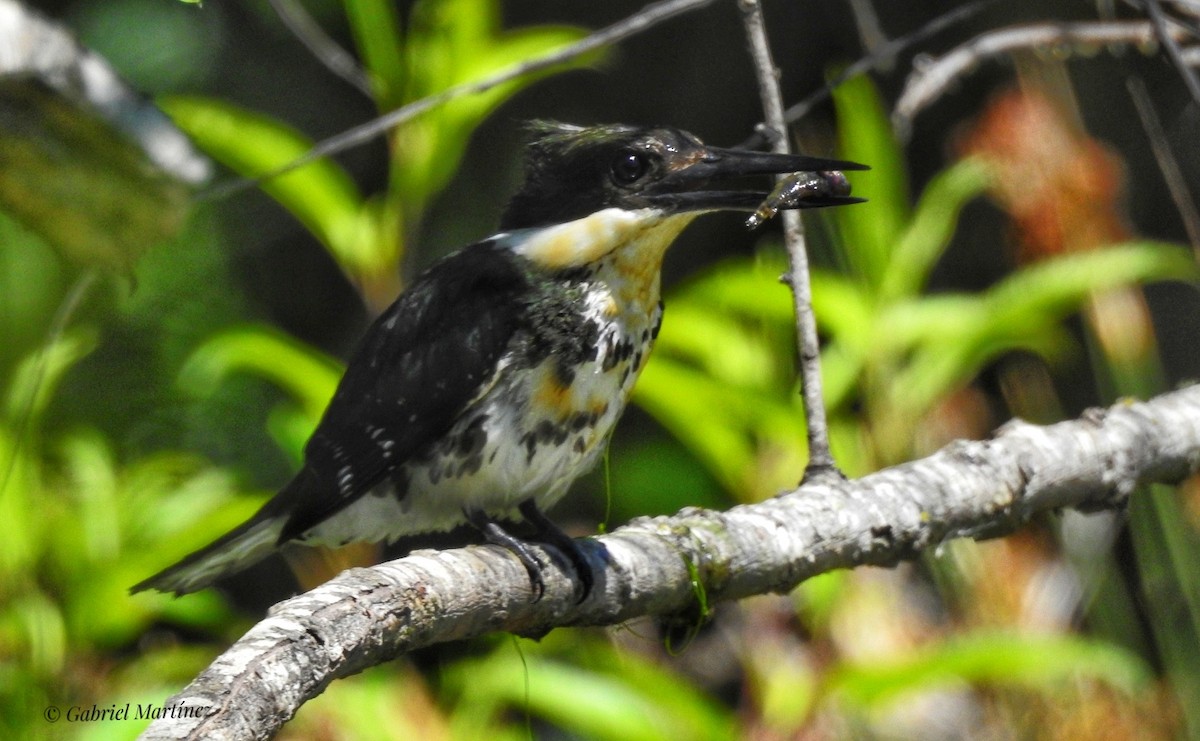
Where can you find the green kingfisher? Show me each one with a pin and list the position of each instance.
(494, 381)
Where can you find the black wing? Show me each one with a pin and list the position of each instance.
(418, 366)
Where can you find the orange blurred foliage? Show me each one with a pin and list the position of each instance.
(1063, 189)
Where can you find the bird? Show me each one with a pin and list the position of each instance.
(495, 380)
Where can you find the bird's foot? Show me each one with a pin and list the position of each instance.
(551, 534)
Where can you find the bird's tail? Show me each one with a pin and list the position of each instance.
(238, 549)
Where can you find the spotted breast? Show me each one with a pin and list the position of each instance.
(543, 418)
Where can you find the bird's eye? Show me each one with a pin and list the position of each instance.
(629, 167)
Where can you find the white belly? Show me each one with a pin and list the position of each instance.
(528, 437)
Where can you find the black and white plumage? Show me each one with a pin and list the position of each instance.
(494, 381)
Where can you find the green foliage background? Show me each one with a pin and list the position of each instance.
(161, 410)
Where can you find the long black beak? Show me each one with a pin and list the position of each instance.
(685, 188)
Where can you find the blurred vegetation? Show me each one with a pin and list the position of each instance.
(139, 419)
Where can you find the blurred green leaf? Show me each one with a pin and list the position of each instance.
(817, 597)
(448, 42)
(750, 289)
(1040, 662)
(1057, 286)
(657, 475)
(290, 426)
(376, 28)
(727, 339)
(75, 537)
(600, 694)
(88, 163)
(451, 42)
(384, 703)
(80, 184)
(751, 437)
(32, 284)
(38, 375)
(307, 374)
(950, 338)
(668, 390)
(787, 687)
(841, 371)
(1167, 549)
(620, 707)
(320, 194)
(719, 344)
(869, 230)
(93, 473)
(40, 623)
(114, 525)
(20, 529)
(919, 247)
(843, 309)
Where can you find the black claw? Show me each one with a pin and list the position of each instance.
(546, 532)
(496, 535)
(550, 533)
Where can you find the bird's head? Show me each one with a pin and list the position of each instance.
(574, 171)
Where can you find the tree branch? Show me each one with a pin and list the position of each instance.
(883, 56)
(820, 459)
(1165, 30)
(969, 489)
(1168, 164)
(931, 80)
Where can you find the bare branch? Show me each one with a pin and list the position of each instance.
(883, 56)
(870, 32)
(969, 489)
(820, 459)
(327, 51)
(643, 20)
(1163, 31)
(931, 79)
(1176, 182)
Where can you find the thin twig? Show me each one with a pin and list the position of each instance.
(1190, 21)
(646, 18)
(327, 51)
(1190, 8)
(820, 459)
(1162, 31)
(1176, 183)
(870, 31)
(884, 55)
(931, 80)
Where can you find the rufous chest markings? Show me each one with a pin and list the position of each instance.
(578, 402)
